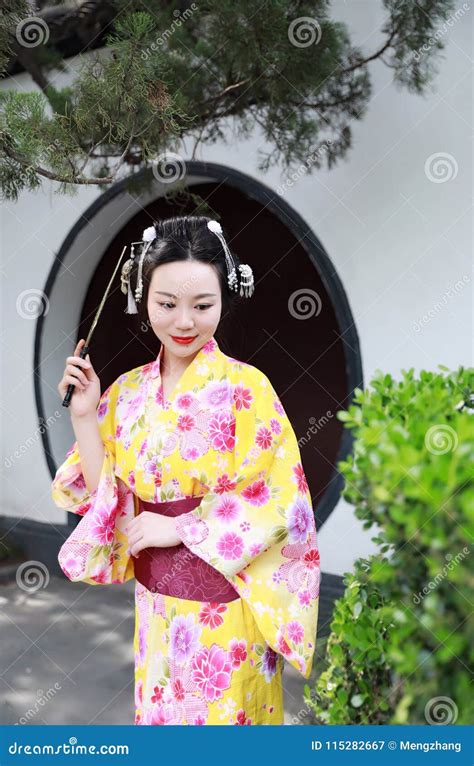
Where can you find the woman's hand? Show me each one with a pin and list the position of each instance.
(151, 530)
(81, 374)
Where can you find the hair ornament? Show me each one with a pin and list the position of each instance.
(247, 285)
(148, 236)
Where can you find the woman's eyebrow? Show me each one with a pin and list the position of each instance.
(201, 295)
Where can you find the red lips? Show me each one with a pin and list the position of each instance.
(183, 340)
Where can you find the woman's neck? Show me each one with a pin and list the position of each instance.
(173, 366)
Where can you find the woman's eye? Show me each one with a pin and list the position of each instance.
(200, 306)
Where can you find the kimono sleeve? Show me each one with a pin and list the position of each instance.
(258, 528)
(96, 552)
(69, 490)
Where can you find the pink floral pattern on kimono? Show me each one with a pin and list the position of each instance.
(224, 436)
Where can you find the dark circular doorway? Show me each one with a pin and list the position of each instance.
(298, 328)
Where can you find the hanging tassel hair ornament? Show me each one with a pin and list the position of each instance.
(149, 235)
(246, 279)
(247, 285)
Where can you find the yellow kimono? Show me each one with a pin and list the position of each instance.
(225, 436)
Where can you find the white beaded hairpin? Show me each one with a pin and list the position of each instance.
(148, 236)
(247, 285)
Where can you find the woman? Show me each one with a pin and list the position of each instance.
(189, 478)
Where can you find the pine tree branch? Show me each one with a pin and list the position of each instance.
(54, 176)
(224, 93)
(156, 82)
(368, 59)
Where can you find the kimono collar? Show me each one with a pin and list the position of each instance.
(210, 349)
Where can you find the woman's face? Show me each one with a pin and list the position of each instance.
(184, 300)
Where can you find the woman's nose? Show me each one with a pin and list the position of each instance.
(184, 320)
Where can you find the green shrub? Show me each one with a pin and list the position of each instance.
(357, 653)
(411, 474)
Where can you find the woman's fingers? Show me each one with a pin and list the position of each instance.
(137, 538)
(68, 379)
(75, 372)
(77, 359)
(133, 537)
(81, 368)
(137, 521)
(80, 344)
(136, 547)
(78, 362)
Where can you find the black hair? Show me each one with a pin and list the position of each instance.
(186, 238)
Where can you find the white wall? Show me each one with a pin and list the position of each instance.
(399, 242)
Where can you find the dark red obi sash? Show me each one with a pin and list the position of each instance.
(177, 571)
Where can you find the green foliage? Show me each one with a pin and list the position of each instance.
(358, 675)
(166, 73)
(411, 475)
(11, 13)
